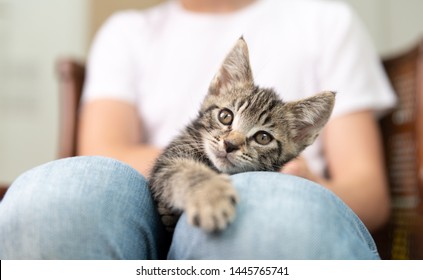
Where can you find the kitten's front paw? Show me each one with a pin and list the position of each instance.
(212, 204)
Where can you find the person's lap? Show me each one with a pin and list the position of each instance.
(98, 208)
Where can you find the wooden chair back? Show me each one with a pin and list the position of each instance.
(71, 75)
(402, 132)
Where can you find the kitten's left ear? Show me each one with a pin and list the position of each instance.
(235, 70)
(307, 117)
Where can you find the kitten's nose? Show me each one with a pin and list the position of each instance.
(230, 147)
(233, 141)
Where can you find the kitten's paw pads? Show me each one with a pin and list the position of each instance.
(212, 206)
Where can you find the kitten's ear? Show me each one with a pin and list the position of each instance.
(235, 70)
(307, 117)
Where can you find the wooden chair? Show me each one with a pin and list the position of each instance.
(402, 130)
(3, 189)
(71, 74)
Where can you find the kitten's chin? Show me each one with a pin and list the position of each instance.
(225, 166)
(223, 163)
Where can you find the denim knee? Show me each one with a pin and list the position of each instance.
(280, 217)
(79, 208)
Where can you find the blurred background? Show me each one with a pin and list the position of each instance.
(35, 33)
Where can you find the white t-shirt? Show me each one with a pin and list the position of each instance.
(163, 59)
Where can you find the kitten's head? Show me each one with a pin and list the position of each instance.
(248, 128)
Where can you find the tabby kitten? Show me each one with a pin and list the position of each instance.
(240, 127)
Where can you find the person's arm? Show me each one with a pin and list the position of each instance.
(353, 152)
(112, 128)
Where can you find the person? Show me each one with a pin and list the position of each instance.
(147, 74)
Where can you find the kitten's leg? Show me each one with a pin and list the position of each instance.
(208, 198)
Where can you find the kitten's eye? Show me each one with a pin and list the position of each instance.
(226, 116)
(263, 138)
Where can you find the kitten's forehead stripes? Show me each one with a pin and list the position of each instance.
(264, 116)
(243, 105)
(239, 104)
(267, 120)
(262, 103)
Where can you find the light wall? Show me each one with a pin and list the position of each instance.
(100, 10)
(33, 34)
(394, 25)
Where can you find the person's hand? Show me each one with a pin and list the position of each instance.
(298, 167)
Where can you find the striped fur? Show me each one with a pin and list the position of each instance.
(240, 127)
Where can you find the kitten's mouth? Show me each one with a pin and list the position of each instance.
(221, 155)
(224, 159)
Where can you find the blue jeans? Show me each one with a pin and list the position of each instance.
(99, 208)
